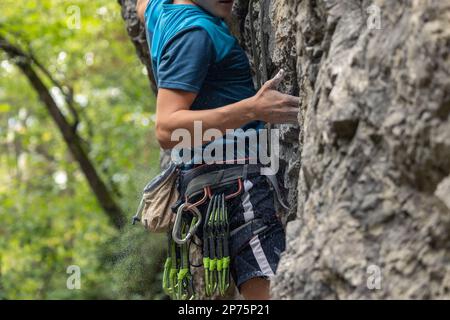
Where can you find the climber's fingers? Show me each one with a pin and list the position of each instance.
(274, 106)
(275, 81)
(292, 115)
(291, 101)
(285, 115)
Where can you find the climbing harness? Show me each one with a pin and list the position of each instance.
(204, 183)
(177, 277)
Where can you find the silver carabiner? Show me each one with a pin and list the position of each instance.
(176, 236)
(136, 217)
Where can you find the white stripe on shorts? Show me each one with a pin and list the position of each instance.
(246, 204)
(255, 244)
(261, 257)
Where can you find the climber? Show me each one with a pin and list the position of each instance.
(202, 74)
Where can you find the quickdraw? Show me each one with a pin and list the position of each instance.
(177, 278)
(185, 284)
(171, 268)
(223, 256)
(216, 259)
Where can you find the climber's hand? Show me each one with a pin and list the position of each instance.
(273, 106)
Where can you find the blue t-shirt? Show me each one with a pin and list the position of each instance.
(189, 61)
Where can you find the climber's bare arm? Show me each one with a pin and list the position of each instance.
(140, 8)
(172, 112)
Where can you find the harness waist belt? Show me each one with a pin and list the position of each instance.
(199, 180)
(215, 175)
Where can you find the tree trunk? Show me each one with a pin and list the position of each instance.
(73, 141)
(368, 166)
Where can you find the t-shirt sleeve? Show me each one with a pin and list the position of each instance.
(185, 61)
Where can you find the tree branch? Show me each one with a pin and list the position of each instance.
(73, 141)
(65, 90)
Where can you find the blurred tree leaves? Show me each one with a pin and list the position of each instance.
(49, 218)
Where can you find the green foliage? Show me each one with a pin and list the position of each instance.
(137, 264)
(49, 216)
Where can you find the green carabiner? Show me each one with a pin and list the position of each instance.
(166, 277)
(210, 250)
(225, 265)
(207, 233)
(174, 269)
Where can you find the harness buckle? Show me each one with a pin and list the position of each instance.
(206, 195)
(238, 192)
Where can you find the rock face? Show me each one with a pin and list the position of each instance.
(136, 31)
(368, 166)
(373, 162)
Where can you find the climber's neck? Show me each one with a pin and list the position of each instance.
(218, 8)
(183, 2)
